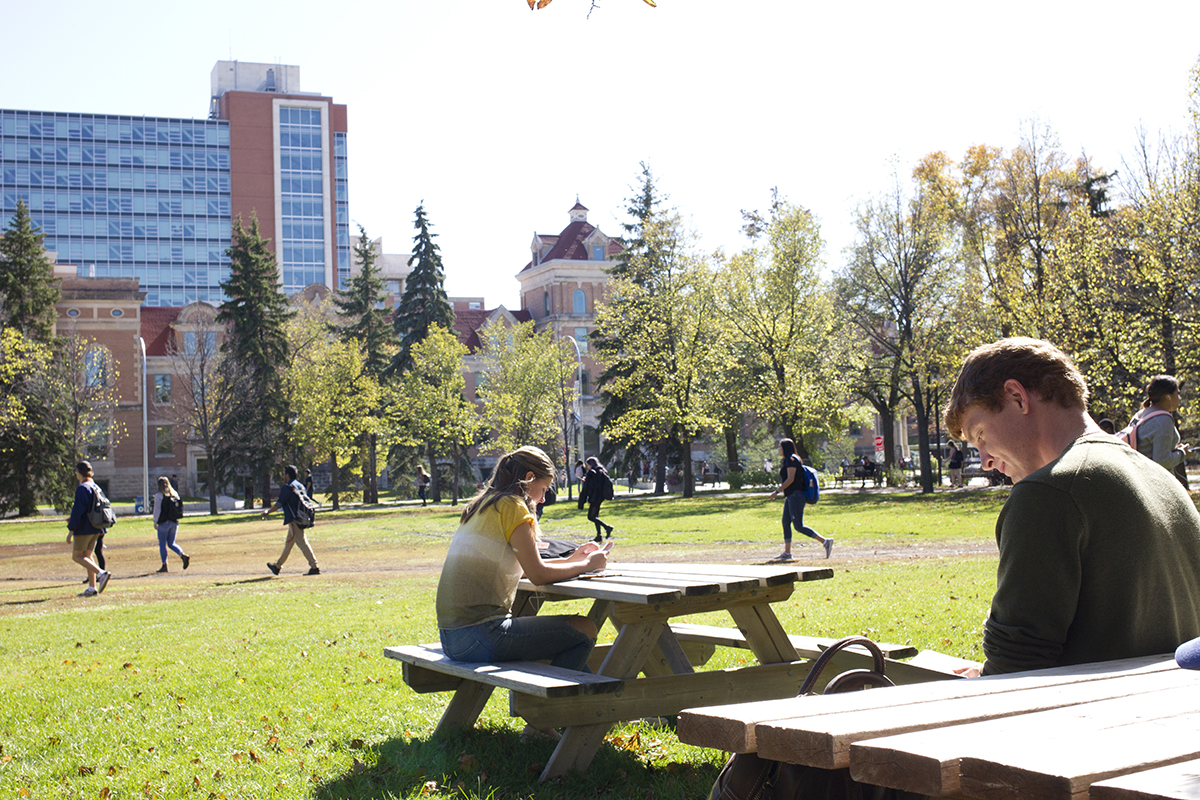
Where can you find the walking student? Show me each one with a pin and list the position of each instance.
(168, 510)
(422, 483)
(289, 501)
(791, 477)
(1155, 434)
(597, 487)
(82, 534)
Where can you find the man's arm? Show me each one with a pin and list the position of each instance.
(1037, 581)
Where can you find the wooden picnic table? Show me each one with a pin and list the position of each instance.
(638, 600)
(1114, 730)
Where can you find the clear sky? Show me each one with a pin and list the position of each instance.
(497, 117)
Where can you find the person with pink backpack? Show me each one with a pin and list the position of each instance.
(1152, 430)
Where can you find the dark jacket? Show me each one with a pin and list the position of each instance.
(594, 487)
(84, 498)
(289, 499)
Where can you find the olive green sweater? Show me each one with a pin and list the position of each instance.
(1099, 560)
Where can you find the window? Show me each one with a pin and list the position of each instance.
(597, 252)
(96, 438)
(95, 368)
(164, 440)
(585, 382)
(480, 380)
(581, 337)
(162, 389)
(190, 342)
(546, 301)
(579, 302)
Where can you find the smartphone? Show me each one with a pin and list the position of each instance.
(607, 546)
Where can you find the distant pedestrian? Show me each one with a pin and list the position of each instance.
(422, 483)
(309, 488)
(289, 501)
(791, 479)
(82, 534)
(1157, 436)
(955, 466)
(597, 487)
(168, 510)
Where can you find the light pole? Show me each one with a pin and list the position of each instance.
(578, 402)
(145, 432)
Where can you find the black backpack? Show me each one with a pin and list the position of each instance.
(306, 510)
(607, 486)
(172, 509)
(101, 514)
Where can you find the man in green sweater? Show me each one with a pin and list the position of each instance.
(1099, 546)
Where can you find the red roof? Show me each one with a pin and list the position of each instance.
(468, 322)
(156, 328)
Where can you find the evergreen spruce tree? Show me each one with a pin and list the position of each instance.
(31, 450)
(256, 353)
(638, 263)
(363, 321)
(28, 289)
(424, 303)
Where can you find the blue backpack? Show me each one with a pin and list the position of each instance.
(812, 488)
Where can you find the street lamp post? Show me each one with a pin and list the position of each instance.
(145, 432)
(578, 403)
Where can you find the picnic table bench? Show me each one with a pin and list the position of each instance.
(1119, 729)
(858, 472)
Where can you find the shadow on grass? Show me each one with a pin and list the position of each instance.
(244, 582)
(496, 763)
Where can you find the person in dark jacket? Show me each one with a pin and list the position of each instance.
(289, 500)
(596, 487)
(82, 534)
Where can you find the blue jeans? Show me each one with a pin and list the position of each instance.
(520, 639)
(166, 538)
(793, 514)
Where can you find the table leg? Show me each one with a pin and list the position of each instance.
(465, 707)
(579, 743)
(765, 636)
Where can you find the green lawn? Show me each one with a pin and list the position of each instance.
(223, 682)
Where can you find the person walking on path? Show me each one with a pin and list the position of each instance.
(168, 510)
(422, 483)
(791, 485)
(1157, 436)
(597, 487)
(956, 466)
(289, 500)
(309, 487)
(82, 534)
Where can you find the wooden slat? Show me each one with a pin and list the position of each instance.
(522, 676)
(766, 637)
(1099, 744)
(768, 575)
(1176, 782)
(806, 646)
(633, 612)
(602, 589)
(732, 728)
(933, 766)
(1047, 754)
(663, 696)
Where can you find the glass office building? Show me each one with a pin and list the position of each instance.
(154, 198)
(123, 196)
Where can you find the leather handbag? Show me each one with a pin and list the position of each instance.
(746, 776)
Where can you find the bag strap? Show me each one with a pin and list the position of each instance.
(851, 679)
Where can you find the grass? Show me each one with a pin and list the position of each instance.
(225, 683)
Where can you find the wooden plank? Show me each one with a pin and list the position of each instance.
(768, 575)
(575, 750)
(766, 637)
(1055, 764)
(732, 728)
(880, 760)
(663, 696)
(806, 646)
(424, 681)
(631, 649)
(1047, 754)
(635, 612)
(1175, 782)
(464, 707)
(602, 589)
(523, 676)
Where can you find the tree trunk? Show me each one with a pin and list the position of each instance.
(26, 500)
(731, 448)
(333, 487)
(921, 408)
(660, 468)
(435, 487)
(457, 474)
(887, 421)
(689, 486)
(265, 482)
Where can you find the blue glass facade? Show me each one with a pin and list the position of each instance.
(301, 254)
(341, 199)
(124, 196)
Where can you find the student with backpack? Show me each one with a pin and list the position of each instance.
(597, 487)
(1152, 430)
(82, 530)
(799, 486)
(168, 510)
(290, 494)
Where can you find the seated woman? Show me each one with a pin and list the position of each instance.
(495, 543)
